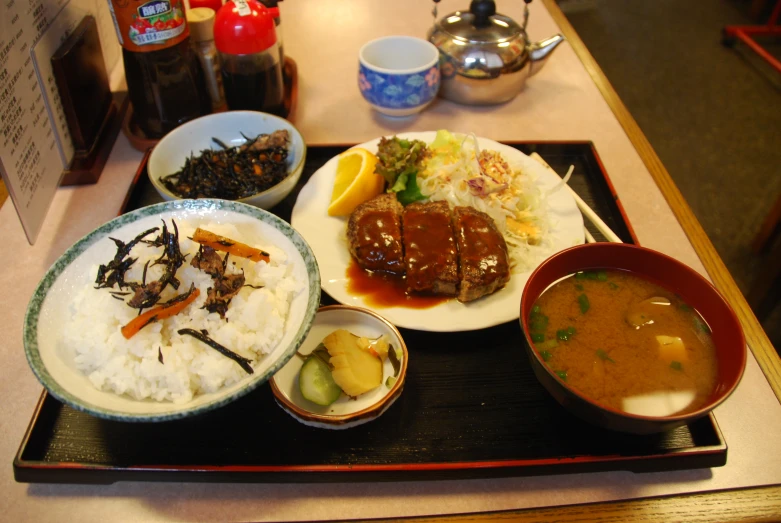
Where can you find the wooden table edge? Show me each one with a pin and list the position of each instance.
(761, 504)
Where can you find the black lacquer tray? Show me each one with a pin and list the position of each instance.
(471, 407)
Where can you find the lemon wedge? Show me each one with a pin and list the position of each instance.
(355, 181)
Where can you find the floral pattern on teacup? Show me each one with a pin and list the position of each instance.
(398, 91)
(432, 76)
(363, 83)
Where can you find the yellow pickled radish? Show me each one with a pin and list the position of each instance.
(355, 181)
(354, 369)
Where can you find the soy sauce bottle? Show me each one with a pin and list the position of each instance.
(165, 81)
(274, 4)
(246, 40)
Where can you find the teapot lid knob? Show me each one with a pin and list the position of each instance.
(482, 11)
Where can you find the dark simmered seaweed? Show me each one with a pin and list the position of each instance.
(203, 336)
(145, 294)
(113, 273)
(233, 172)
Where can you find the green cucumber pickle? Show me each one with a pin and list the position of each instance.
(316, 382)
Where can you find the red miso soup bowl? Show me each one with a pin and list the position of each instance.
(662, 270)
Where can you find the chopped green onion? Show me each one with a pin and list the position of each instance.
(604, 356)
(613, 285)
(561, 374)
(676, 365)
(547, 344)
(684, 307)
(565, 334)
(580, 275)
(584, 304)
(536, 309)
(546, 355)
(591, 275)
(702, 326)
(602, 275)
(538, 322)
(538, 337)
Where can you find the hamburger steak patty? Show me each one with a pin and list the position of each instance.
(430, 256)
(454, 253)
(374, 234)
(483, 263)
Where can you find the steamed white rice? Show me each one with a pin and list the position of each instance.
(255, 324)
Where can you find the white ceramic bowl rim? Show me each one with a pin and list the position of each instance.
(425, 43)
(155, 177)
(30, 339)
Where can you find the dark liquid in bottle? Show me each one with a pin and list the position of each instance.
(258, 91)
(166, 87)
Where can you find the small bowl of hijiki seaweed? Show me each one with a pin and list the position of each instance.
(350, 370)
(630, 339)
(246, 156)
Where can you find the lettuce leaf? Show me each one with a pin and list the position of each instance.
(411, 192)
(398, 158)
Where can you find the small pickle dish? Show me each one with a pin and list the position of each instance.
(354, 399)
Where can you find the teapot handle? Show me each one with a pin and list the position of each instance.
(525, 13)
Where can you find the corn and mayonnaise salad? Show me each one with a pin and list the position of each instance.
(459, 172)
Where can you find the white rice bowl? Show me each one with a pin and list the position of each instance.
(72, 332)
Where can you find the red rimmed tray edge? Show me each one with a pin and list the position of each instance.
(710, 456)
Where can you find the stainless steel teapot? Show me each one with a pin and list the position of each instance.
(486, 57)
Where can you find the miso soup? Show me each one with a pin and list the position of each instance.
(625, 343)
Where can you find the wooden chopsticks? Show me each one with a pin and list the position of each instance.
(587, 211)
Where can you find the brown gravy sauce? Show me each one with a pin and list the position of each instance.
(430, 247)
(380, 289)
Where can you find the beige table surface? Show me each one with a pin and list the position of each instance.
(560, 103)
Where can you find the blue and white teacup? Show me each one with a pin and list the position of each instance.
(399, 75)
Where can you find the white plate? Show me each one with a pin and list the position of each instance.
(49, 309)
(325, 234)
(344, 412)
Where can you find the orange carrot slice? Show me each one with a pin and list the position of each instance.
(221, 243)
(159, 313)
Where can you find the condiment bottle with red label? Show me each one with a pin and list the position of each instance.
(249, 56)
(165, 81)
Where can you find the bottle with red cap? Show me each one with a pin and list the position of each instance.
(246, 40)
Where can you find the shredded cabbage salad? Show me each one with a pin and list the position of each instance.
(461, 173)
